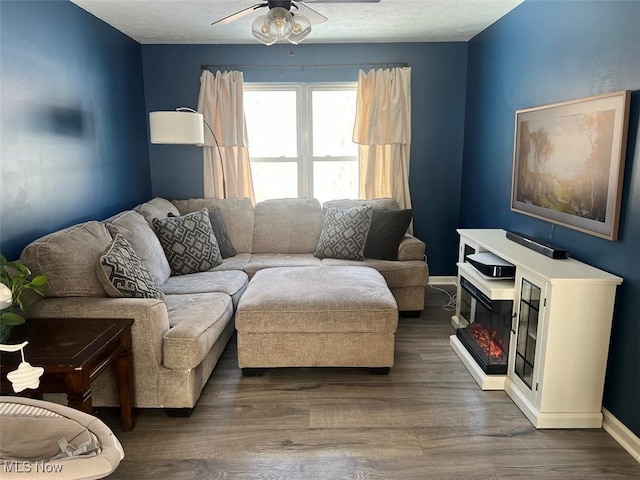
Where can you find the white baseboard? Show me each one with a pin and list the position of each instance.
(621, 434)
(443, 280)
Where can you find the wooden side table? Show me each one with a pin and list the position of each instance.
(73, 352)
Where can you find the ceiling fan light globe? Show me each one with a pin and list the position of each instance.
(301, 28)
(260, 31)
(279, 22)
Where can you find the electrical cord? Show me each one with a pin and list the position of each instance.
(450, 306)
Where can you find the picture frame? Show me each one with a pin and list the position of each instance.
(568, 162)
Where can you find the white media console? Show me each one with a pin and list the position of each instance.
(559, 332)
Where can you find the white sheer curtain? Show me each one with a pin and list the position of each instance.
(227, 167)
(383, 131)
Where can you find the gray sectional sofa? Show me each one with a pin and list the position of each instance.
(178, 338)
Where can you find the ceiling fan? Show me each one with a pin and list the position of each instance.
(286, 19)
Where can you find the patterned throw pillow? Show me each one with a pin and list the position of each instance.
(344, 233)
(122, 273)
(188, 242)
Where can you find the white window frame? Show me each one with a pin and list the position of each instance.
(304, 126)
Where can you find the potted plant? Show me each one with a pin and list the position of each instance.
(14, 283)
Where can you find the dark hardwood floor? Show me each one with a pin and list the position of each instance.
(427, 419)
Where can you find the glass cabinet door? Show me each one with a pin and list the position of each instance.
(527, 332)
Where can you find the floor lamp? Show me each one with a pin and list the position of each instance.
(183, 126)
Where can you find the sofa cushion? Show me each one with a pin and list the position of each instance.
(237, 214)
(123, 274)
(288, 225)
(220, 231)
(69, 259)
(231, 282)
(388, 227)
(188, 242)
(396, 274)
(260, 261)
(132, 226)
(344, 233)
(197, 322)
(237, 262)
(156, 208)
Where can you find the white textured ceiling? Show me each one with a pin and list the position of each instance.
(189, 21)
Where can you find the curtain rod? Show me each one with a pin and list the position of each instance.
(303, 66)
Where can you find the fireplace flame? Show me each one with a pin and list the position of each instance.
(489, 341)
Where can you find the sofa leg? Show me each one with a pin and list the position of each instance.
(379, 370)
(179, 412)
(252, 372)
(411, 313)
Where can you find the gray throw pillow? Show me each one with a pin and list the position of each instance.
(122, 273)
(220, 231)
(344, 233)
(188, 242)
(388, 227)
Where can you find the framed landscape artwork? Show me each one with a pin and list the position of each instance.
(568, 162)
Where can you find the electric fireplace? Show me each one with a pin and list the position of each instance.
(486, 335)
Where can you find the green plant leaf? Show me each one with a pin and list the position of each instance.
(23, 304)
(24, 271)
(11, 318)
(39, 291)
(39, 281)
(15, 275)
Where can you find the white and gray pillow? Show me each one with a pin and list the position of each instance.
(122, 273)
(188, 242)
(344, 233)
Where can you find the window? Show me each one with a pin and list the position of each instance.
(300, 140)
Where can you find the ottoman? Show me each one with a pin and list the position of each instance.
(316, 316)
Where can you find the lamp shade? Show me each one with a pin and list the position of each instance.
(185, 128)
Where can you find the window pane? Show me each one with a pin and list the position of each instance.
(271, 123)
(334, 112)
(275, 180)
(334, 180)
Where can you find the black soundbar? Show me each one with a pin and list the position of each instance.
(541, 247)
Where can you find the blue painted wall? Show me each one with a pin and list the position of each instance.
(540, 53)
(74, 142)
(172, 73)
(73, 128)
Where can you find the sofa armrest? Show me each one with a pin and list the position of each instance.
(411, 248)
(151, 321)
(189, 342)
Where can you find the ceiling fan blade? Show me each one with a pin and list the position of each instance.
(340, 1)
(314, 17)
(238, 15)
